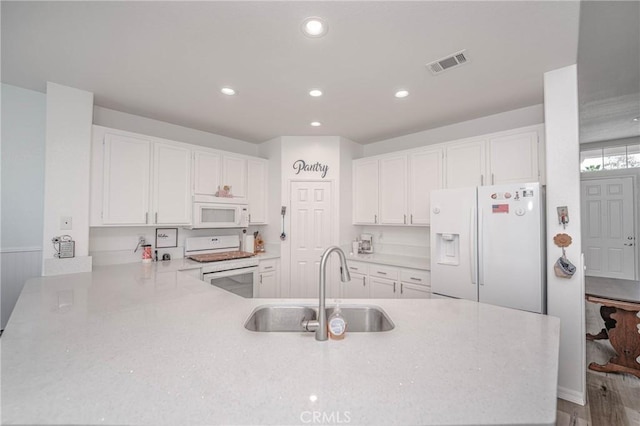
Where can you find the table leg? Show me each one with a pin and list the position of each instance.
(600, 336)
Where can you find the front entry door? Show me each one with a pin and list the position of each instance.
(310, 234)
(608, 232)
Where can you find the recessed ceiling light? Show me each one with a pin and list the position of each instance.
(316, 123)
(228, 91)
(314, 27)
(315, 93)
(636, 119)
(401, 94)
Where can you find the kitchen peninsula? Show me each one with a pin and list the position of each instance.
(148, 344)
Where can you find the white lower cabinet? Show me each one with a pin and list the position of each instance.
(414, 291)
(369, 280)
(268, 282)
(383, 288)
(357, 288)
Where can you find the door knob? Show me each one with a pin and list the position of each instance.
(630, 244)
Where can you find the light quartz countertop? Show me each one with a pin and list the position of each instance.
(143, 344)
(413, 262)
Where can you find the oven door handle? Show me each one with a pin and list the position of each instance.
(206, 276)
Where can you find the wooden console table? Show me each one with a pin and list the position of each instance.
(621, 328)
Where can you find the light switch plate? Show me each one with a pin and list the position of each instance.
(66, 223)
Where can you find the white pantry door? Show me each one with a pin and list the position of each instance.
(310, 234)
(608, 227)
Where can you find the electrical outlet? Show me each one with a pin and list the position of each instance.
(66, 223)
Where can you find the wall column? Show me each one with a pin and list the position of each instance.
(67, 176)
(565, 297)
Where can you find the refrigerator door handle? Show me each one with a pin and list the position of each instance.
(472, 244)
(480, 240)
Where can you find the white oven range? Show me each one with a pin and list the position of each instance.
(223, 264)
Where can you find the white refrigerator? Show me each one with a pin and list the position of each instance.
(487, 245)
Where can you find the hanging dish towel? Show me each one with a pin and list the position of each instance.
(563, 268)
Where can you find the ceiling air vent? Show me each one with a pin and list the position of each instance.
(448, 62)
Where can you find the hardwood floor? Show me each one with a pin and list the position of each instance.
(613, 399)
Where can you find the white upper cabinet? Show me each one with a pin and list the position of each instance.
(207, 169)
(365, 191)
(126, 180)
(234, 174)
(138, 180)
(466, 164)
(507, 157)
(393, 190)
(425, 175)
(172, 182)
(257, 176)
(514, 158)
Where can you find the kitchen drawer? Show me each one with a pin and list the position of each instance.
(384, 272)
(358, 267)
(268, 265)
(415, 276)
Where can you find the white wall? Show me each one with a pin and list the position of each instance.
(492, 123)
(67, 175)
(114, 245)
(22, 191)
(565, 297)
(147, 126)
(400, 240)
(23, 143)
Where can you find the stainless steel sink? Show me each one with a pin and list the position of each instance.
(279, 318)
(359, 318)
(364, 318)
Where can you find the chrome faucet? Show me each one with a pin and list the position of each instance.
(320, 325)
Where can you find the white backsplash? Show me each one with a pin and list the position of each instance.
(115, 245)
(399, 240)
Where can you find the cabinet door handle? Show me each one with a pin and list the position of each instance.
(415, 279)
(382, 273)
(394, 287)
(412, 219)
(249, 217)
(401, 288)
(364, 282)
(260, 279)
(375, 218)
(268, 267)
(405, 219)
(492, 179)
(156, 217)
(481, 179)
(146, 217)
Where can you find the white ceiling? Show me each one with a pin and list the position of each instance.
(609, 70)
(168, 60)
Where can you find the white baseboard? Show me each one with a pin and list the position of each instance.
(571, 395)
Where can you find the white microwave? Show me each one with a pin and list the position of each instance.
(220, 215)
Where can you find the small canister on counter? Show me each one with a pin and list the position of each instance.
(146, 253)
